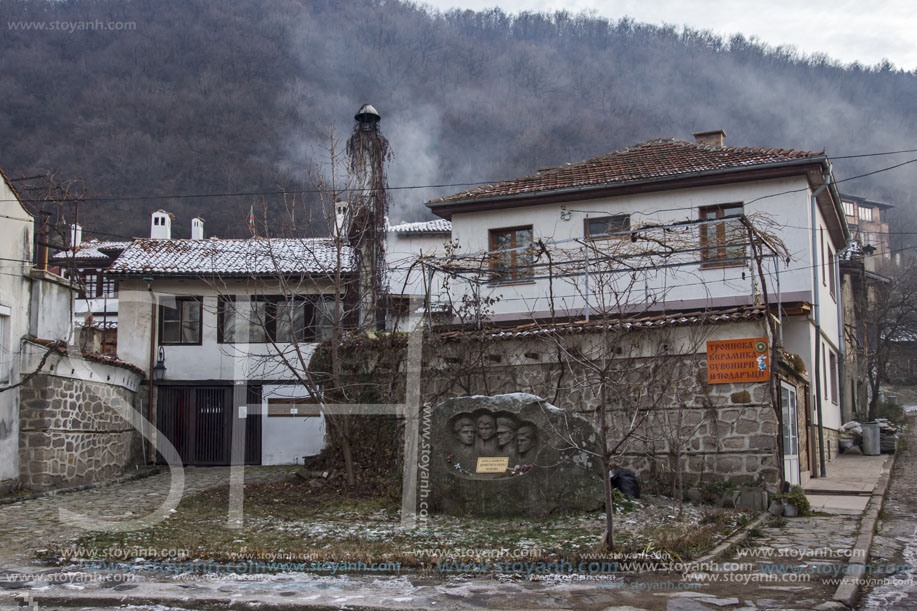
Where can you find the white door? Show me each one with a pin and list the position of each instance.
(790, 433)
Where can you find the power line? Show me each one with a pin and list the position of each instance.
(126, 198)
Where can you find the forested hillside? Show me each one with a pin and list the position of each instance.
(209, 96)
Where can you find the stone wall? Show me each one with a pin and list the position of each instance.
(71, 432)
(707, 432)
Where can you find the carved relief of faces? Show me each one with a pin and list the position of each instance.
(487, 426)
(525, 438)
(464, 431)
(506, 431)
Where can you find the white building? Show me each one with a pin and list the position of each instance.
(536, 244)
(407, 246)
(16, 243)
(233, 322)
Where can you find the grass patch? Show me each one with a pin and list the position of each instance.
(289, 520)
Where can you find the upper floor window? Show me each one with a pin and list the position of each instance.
(722, 243)
(832, 284)
(5, 360)
(511, 254)
(275, 318)
(848, 209)
(615, 225)
(180, 320)
(864, 213)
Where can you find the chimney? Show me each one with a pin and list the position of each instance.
(340, 218)
(161, 225)
(197, 228)
(76, 236)
(714, 138)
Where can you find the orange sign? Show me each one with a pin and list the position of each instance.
(738, 360)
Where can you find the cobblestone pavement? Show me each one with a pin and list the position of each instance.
(34, 524)
(895, 544)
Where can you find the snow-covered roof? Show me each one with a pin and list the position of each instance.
(437, 226)
(93, 249)
(658, 321)
(256, 256)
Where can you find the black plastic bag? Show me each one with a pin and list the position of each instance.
(626, 481)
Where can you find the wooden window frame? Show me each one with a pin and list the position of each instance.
(513, 274)
(309, 333)
(713, 251)
(178, 303)
(622, 233)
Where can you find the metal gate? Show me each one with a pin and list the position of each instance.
(198, 421)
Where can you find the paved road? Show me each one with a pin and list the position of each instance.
(896, 540)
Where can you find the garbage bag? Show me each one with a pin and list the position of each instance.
(626, 481)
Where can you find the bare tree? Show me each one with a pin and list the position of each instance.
(887, 305)
(300, 319)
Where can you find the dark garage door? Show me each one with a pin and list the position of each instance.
(198, 422)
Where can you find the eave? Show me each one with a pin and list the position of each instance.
(681, 181)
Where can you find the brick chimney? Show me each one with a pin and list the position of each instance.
(714, 138)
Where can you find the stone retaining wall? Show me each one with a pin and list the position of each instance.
(708, 432)
(71, 432)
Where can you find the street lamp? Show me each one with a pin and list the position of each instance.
(159, 369)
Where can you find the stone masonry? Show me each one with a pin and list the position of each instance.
(708, 432)
(72, 434)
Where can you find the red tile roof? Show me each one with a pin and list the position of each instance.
(656, 321)
(653, 160)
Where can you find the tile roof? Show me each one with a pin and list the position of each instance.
(91, 250)
(656, 159)
(682, 319)
(259, 256)
(435, 226)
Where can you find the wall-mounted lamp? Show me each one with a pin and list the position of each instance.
(159, 369)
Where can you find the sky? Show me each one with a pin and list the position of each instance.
(845, 30)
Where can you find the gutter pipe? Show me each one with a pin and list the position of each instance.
(815, 305)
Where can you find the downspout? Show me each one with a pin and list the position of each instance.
(149, 406)
(841, 337)
(586, 255)
(815, 305)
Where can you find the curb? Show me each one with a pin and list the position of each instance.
(848, 591)
(733, 539)
(145, 472)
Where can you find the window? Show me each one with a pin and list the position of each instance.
(864, 213)
(848, 209)
(722, 243)
(833, 379)
(821, 236)
(511, 257)
(180, 320)
(4, 350)
(109, 286)
(615, 225)
(832, 285)
(90, 283)
(276, 319)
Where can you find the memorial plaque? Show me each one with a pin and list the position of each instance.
(507, 455)
(492, 464)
